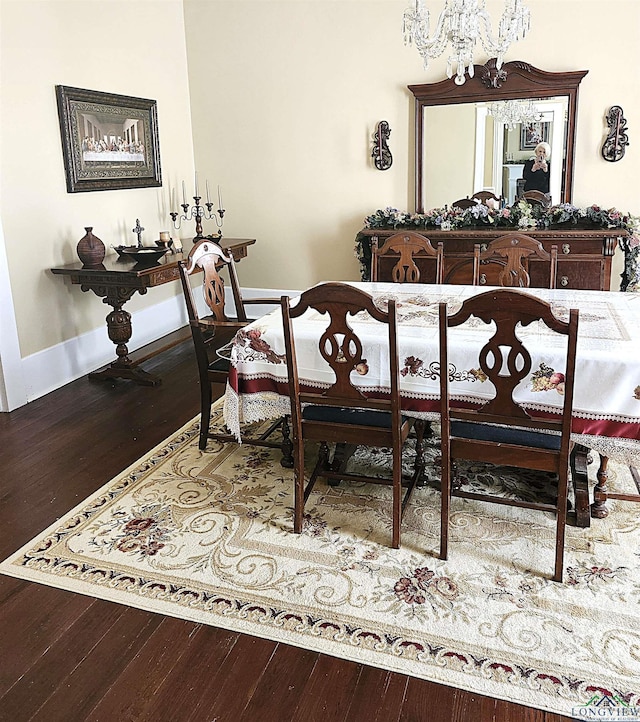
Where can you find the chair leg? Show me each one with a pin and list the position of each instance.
(445, 503)
(454, 479)
(397, 497)
(563, 484)
(205, 413)
(298, 492)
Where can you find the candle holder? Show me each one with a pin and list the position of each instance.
(198, 213)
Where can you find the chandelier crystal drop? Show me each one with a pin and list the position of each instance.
(461, 23)
(512, 112)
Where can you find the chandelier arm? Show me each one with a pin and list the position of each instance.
(493, 46)
(461, 22)
(513, 26)
(417, 31)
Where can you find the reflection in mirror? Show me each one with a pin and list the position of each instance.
(451, 150)
(462, 145)
(476, 152)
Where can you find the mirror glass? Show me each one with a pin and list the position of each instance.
(489, 155)
(463, 146)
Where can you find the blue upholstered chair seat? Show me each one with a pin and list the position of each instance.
(504, 435)
(340, 415)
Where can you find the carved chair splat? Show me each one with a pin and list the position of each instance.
(409, 247)
(509, 251)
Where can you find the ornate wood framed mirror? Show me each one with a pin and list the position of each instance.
(461, 146)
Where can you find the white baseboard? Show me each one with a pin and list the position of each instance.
(54, 367)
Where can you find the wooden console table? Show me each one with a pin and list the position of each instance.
(115, 281)
(584, 255)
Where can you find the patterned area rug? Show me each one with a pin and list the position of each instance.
(207, 536)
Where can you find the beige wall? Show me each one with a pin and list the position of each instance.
(283, 97)
(129, 47)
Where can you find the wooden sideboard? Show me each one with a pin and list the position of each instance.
(116, 280)
(584, 255)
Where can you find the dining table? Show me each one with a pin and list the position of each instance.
(606, 405)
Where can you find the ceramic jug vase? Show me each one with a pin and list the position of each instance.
(90, 248)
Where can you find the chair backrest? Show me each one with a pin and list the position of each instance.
(211, 258)
(464, 203)
(341, 348)
(508, 252)
(485, 196)
(409, 247)
(537, 198)
(505, 360)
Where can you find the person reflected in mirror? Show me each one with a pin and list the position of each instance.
(536, 170)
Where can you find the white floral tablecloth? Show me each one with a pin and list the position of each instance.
(607, 386)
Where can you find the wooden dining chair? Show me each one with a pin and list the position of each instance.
(501, 431)
(411, 250)
(537, 198)
(507, 255)
(215, 329)
(485, 196)
(342, 411)
(464, 203)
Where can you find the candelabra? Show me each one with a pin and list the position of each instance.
(199, 212)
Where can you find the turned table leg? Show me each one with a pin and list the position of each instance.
(341, 456)
(422, 429)
(580, 479)
(120, 331)
(287, 445)
(599, 508)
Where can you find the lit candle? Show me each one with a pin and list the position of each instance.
(197, 194)
(208, 196)
(184, 195)
(219, 199)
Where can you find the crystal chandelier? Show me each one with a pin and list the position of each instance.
(512, 112)
(461, 23)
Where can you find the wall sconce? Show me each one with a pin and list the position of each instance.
(381, 154)
(617, 140)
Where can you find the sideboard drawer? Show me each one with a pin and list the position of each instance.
(582, 274)
(583, 247)
(578, 273)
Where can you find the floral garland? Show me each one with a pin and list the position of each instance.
(521, 215)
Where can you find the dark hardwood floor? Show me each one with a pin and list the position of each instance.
(66, 657)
